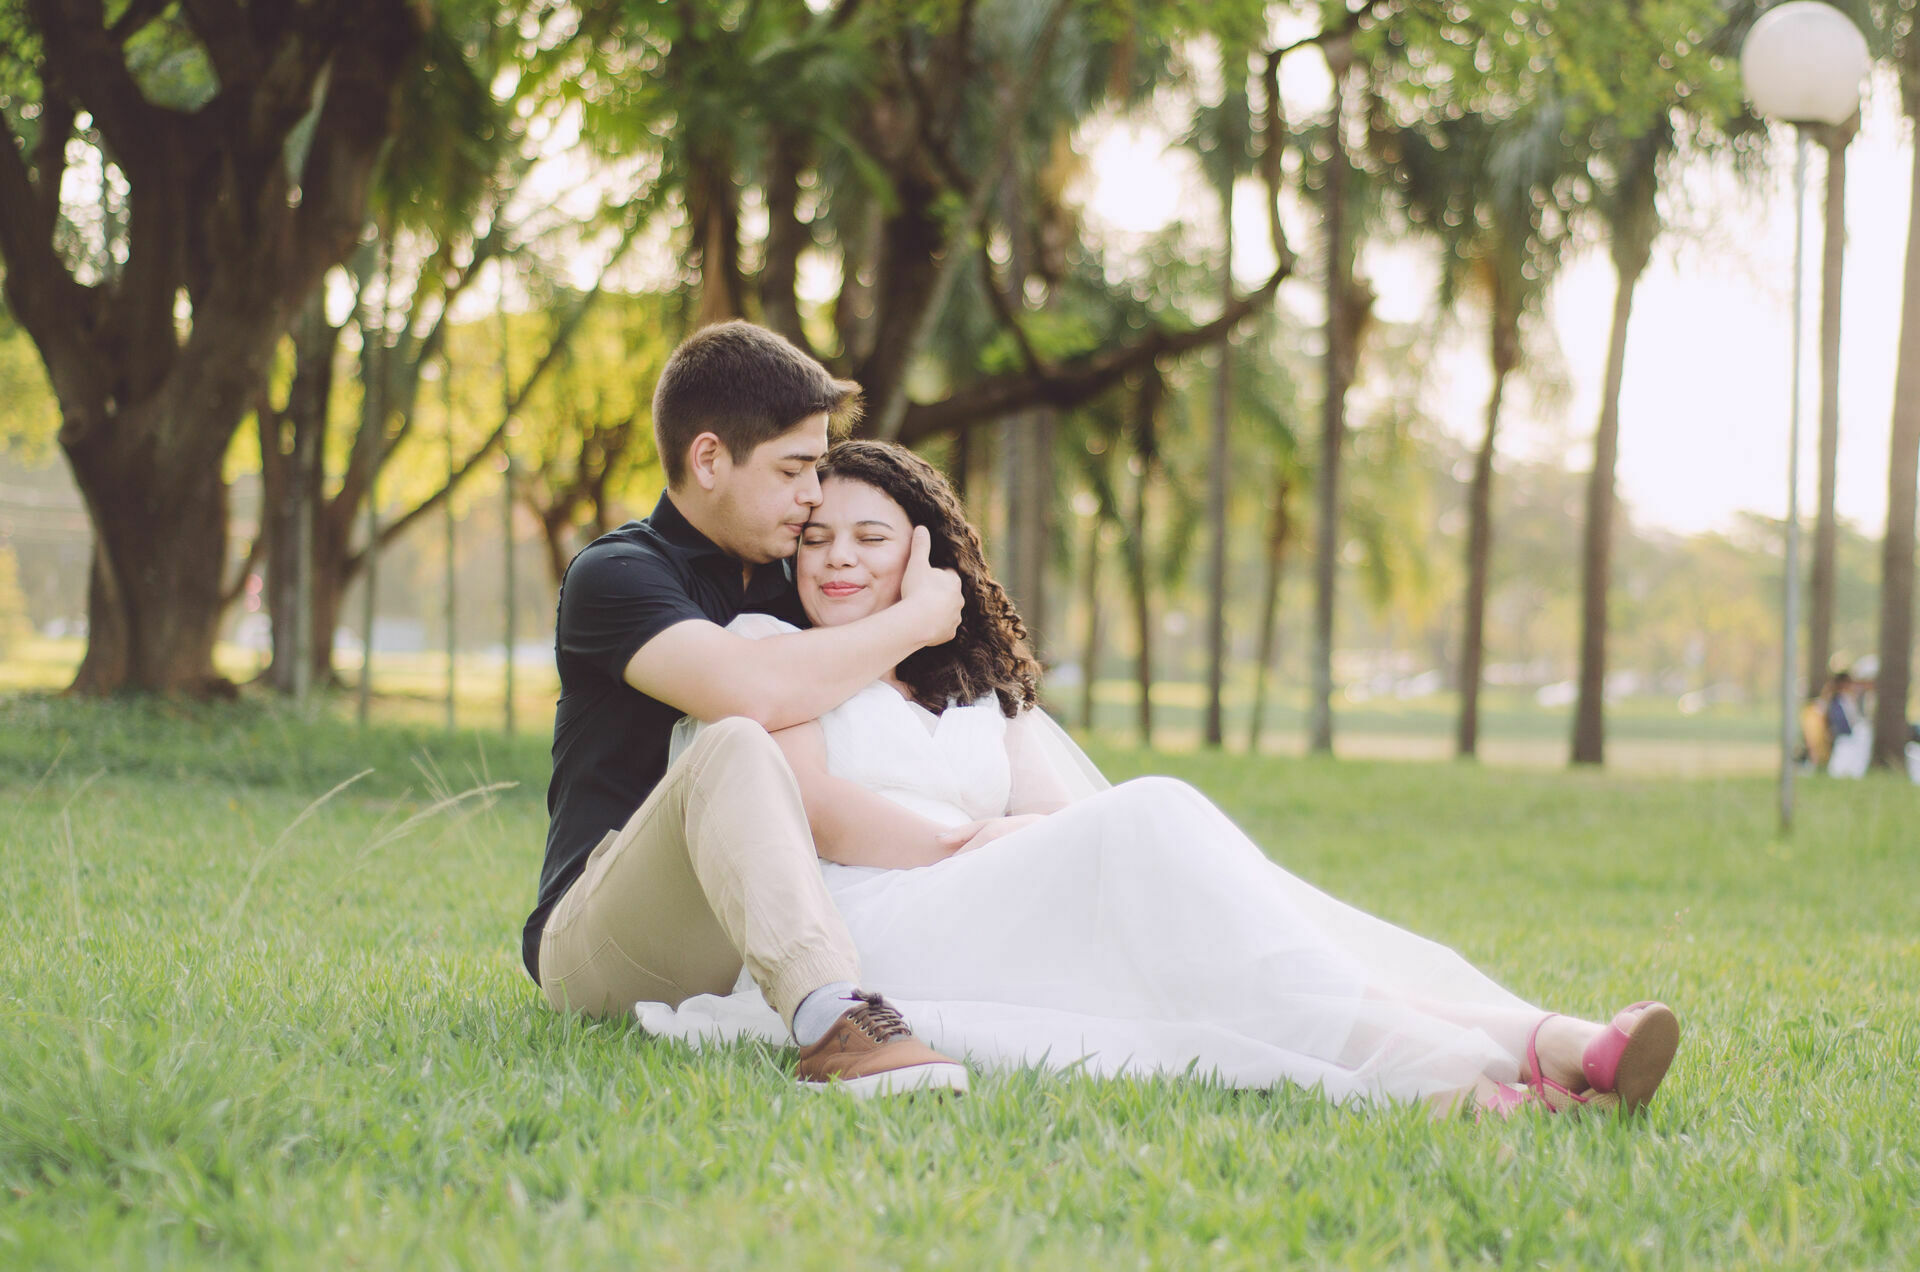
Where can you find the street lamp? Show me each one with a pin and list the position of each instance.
(1802, 65)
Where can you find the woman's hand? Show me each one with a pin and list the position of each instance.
(978, 834)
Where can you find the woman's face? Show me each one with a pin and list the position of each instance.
(853, 553)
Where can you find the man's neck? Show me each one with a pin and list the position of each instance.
(690, 506)
(697, 516)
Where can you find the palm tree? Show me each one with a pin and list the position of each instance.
(1500, 195)
(1628, 206)
(1223, 136)
(1333, 408)
(1890, 727)
(1834, 140)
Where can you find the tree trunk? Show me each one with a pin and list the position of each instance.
(159, 516)
(1333, 427)
(1505, 344)
(293, 475)
(715, 214)
(1277, 537)
(1832, 260)
(1217, 488)
(1589, 725)
(1090, 598)
(1142, 598)
(1139, 594)
(1890, 729)
(1027, 453)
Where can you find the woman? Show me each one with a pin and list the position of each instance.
(1020, 912)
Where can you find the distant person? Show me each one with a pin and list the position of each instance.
(1852, 747)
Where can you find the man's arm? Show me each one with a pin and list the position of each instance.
(851, 824)
(710, 673)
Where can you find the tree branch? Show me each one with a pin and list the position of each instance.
(135, 19)
(517, 400)
(378, 38)
(1003, 309)
(50, 152)
(1071, 383)
(81, 52)
(889, 410)
(1273, 144)
(1346, 26)
(42, 294)
(223, 28)
(786, 238)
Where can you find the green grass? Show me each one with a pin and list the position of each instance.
(233, 1036)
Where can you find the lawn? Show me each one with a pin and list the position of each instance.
(243, 1024)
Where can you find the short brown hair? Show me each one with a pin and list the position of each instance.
(746, 385)
(991, 652)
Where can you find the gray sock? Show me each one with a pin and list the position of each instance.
(818, 1010)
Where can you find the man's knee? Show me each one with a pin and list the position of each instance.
(734, 733)
(738, 749)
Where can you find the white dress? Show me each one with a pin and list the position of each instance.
(1135, 931)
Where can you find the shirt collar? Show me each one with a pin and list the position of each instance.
(677, 530)
(673, 526)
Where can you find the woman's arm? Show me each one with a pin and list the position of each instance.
(851, 824)
(1036, 787)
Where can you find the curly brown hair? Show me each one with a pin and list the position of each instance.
(990, 653)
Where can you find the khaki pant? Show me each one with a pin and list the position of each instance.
(715, 870)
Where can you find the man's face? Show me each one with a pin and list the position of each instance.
(764, 499)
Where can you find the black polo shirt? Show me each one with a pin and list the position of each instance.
(609, 739)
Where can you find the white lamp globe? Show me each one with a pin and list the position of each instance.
(1803, 63)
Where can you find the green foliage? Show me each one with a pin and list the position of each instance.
(29, 416)
(171, 65)
(234, 1039)
(14, 625)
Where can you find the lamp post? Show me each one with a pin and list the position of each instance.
(1802, 65)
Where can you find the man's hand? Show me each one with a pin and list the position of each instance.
(934, 594)
(978, 834)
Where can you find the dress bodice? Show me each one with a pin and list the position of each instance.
(950, 768)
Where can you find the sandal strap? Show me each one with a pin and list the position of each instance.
(1537, 1079)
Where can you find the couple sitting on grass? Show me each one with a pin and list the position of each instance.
(878, 804)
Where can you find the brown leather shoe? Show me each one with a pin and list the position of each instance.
(871, 1051)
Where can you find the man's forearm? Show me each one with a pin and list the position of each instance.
(799, 676)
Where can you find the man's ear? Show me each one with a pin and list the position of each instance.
(704, 458)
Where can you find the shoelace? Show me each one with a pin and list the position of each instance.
(877, 1017)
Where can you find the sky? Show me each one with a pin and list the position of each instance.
(1705, 405)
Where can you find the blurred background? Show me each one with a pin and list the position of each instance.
(1390, 378)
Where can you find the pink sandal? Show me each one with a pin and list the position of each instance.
(1632, 1054)
(1623, 1066)
(1561, 1098)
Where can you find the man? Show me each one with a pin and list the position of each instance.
(659, 883)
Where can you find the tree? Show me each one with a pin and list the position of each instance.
(234, 146)
(1340, 327)
(1834, 140)
(1223, 136)
(589, 439)
(1890, 728)
(447, 215)
(1634, 82)
(1499, 193)
(881, 146)
(1631, 212)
